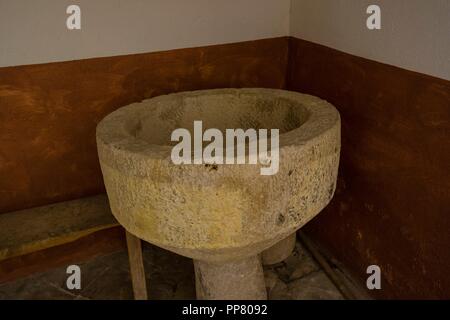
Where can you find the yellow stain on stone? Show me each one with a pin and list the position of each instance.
(193, 219)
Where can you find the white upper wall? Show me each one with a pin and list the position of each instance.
(35, 31)
(415, 34)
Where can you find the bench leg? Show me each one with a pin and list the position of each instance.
(136, 267)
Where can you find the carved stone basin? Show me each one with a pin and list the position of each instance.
(221, 215)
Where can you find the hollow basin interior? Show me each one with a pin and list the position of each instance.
(154, 120)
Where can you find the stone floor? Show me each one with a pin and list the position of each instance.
(169, 276)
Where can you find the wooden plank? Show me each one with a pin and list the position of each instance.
(35, 229)
(136, 267)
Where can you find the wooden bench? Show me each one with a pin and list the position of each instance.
(39, 228)
(27, 232)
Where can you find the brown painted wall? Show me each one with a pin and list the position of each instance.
(392, 204)
(48, 112)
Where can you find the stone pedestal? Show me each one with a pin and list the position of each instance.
(236, 280)
(279, 251)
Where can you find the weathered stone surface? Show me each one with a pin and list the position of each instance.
(32, 289)
(232, 212)
(276, 289)
(235, 280)
(280, 251)
(315, 286)
(270, 279)
(299, 264)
